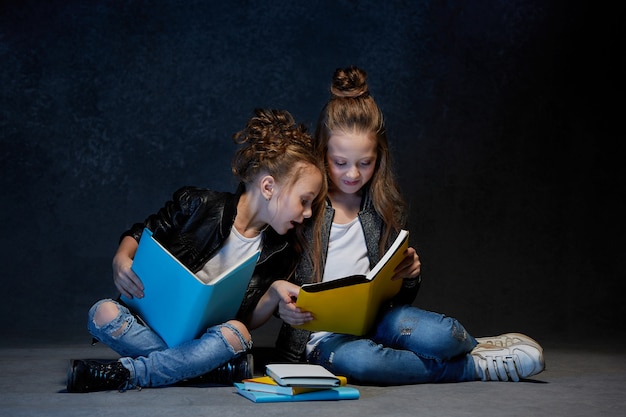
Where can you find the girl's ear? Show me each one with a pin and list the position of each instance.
(267, 187)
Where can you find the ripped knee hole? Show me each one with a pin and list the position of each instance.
(105, 314)
(233, 338)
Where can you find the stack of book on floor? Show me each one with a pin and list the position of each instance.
(296, 382)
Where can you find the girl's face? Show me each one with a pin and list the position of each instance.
(351, 159)
(293, 204)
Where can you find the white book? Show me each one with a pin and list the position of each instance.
(301, 375)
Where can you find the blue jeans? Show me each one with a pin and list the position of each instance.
(150, 362)
(407, 346)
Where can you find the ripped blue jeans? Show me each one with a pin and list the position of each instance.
(407, 346)
(150, 362)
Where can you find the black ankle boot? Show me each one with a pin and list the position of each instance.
(96, 375)
(239, 368)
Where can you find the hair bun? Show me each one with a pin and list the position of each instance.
(269, 138)
(350, 82)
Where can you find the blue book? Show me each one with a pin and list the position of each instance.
(331, 394)
(177, 305)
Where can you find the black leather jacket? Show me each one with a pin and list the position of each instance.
(291, 342)
(195, 224)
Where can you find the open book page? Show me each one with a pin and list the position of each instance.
(201, 276)
(393, 256)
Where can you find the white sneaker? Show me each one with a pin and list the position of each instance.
(508, 339)
(512, 363)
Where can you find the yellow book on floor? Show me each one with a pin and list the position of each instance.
(349, 305)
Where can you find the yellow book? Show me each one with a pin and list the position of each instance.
(349, 305)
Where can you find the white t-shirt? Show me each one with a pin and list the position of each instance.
(347, 255)
(235, 248)
(347, 252)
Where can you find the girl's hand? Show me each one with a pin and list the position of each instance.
(125, 280)
(287, 295)
(282, 295)
(410, 267)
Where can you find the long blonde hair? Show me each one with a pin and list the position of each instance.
(351, 108)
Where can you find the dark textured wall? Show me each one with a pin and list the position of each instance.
(499, 114)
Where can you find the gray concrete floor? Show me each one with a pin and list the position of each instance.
(579, 381)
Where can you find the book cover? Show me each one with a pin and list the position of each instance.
(330, 394)
(349, 305)
(176, 304)
(301, 375)
(267, 384)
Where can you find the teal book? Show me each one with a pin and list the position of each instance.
(177, 305)
(331, 394)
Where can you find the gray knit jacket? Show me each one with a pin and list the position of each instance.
(291, 342)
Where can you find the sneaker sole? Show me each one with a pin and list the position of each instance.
(71, 380)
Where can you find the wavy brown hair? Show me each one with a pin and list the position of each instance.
(272, 142)
(351, 108)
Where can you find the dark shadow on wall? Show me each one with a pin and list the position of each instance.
(498, 114)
